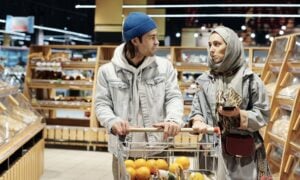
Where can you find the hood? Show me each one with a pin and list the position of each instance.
(120, 61)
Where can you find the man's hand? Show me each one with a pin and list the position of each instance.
(120, 128)
(232, 113)
(170, 128)
(199, 126)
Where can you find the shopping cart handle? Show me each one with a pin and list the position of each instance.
(210, 130)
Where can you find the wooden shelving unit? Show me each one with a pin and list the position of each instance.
(257, 57)
(59, 70)
(52, 94)
(276, 57)
(282, 132)
(22, 143)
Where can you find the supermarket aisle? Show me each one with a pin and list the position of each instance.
(62, 164)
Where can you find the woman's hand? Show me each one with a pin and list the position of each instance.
(229, 113)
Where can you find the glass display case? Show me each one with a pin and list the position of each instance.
(283, 128)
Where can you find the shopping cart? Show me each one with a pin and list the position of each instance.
(200, 157)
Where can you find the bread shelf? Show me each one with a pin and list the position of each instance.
(72, 65)
(282, 69)
(53, 105)
(57, 75)
(60, 84)
(190, 67)
(22, 143)
(277, 139)
(295, 146)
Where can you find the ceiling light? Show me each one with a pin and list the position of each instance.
(12, 32)
(208, 5)
(281, 32)
(55, 30)
(78, 6)
(20, 38)
(55, 40)
(61, 31)
(224, 15)
(267, 36)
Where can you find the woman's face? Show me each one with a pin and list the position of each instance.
(217, 47)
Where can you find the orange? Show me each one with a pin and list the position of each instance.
(196, 176)
(175, 168)
(161, 164)
(132, 172)
(129, 163)
(139, 163)
(151, 164)
(143, 173)
(184, 161)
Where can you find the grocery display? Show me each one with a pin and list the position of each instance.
(47, 91)
(167, 160)
(282, 132)
(21, 130)
(14, 60)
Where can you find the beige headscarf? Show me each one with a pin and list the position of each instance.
(228, 73)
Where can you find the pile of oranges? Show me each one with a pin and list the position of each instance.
(141, 169)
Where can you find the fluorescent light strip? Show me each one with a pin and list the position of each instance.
(61, 31)
(21, 38)
(208, 5)
(225, 15)
(54, 39)
(78, 6)
(194, 6)
(56, 30)
(11, 32)
(63, 37)
(80, 39)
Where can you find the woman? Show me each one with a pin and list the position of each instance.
(232, 97)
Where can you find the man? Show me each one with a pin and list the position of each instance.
(137, 88)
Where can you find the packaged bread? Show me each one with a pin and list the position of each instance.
(36, 56)
(60, 57)
(11, 124)
(24, 115)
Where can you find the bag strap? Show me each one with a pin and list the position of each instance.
(250, 105)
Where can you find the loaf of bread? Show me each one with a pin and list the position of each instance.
(11, 124)
(23, 115)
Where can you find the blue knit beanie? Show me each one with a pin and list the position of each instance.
(137, 24)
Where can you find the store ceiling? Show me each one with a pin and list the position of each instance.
(63, 15)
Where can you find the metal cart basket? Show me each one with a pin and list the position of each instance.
(200, 157)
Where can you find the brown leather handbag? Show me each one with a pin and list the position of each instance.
(239, 145)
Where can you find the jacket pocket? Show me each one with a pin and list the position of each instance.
(119, 92)
(156, 87)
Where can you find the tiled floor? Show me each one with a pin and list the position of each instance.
(62, 164)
